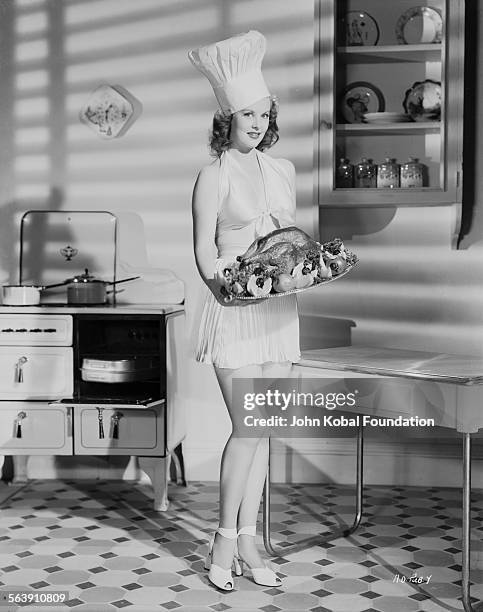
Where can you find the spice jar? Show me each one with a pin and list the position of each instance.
(365, 174)
(388, 174)
(412, 173)
(344, 174)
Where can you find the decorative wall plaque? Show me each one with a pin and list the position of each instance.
(110, 111)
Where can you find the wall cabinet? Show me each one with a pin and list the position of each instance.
(41, 357)
(374, 56)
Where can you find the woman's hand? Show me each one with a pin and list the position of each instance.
(233, 301)
(228, 300)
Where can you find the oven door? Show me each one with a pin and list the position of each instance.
(35, 372)
(35, 428)
(119, 429)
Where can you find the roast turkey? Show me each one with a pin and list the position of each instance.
(285, 248)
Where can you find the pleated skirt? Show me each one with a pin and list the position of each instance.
(236, 336)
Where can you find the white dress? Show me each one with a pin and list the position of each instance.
(267, 331)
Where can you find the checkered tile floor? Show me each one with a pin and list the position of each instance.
(101, 542)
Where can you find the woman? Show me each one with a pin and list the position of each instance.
(242, 195)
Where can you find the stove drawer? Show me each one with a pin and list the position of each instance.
(35, 330)
(127, 431)
(35, 428)
(40, 372)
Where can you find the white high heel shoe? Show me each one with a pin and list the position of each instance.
(220, 577)
(261, 575)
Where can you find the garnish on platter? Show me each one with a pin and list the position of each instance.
(282, 262)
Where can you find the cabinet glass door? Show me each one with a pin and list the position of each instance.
(390, 102)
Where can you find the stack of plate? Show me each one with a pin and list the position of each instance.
(386, 118)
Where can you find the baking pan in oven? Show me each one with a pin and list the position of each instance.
(119, 370)
(123, 364)
(119, 376)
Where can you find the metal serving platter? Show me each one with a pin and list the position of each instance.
(325, 281)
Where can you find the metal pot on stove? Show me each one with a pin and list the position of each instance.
(21, 295)
(81, 290)
(86, 289)
(25, 295)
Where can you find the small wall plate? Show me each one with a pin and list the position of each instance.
(110, 111)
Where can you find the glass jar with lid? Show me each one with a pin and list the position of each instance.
(365, 173)
(412, 173)
(344, 174)
(388, 174)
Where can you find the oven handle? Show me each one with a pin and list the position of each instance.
(100, 418)
(17, 424)
(19, 369)
(115, 424)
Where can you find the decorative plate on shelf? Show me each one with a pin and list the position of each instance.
(358, 99)
(418, 25)
(380, 118)
(422, 101)
(358, 28)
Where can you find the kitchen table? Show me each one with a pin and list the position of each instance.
(458, 382)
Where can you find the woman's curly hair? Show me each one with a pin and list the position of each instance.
(220, 134)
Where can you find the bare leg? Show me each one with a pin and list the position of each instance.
(250, 503)
(236, 463)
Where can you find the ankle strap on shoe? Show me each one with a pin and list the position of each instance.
(250, 530)
(230, 534)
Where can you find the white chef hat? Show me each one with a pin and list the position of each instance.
(233, 67)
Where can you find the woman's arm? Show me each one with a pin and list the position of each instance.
(205, 212)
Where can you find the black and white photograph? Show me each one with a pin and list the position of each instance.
(241, 306)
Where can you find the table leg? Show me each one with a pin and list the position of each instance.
(359, 498)
(359, 482)
(466, 527)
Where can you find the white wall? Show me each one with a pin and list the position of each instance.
(54, 53)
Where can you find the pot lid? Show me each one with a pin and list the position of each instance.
(84, 278)
(56, 245)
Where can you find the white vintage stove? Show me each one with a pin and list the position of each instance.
(50, 406)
